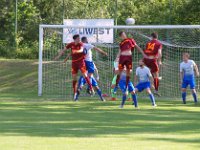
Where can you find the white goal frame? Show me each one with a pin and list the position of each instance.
(41, 32)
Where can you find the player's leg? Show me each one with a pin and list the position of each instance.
(122, 86)
(99, 92)
(81, 83)
(151, 96)
(74, 85)
(113, 94)
(131, 90)
(82, 67)
(128, 65)
(183, 89)
(193, 90)
(156, 82)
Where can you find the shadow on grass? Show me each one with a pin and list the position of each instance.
(91, 119)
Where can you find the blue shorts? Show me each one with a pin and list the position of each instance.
(89, 66)
(187, 82)
(143, 85)
(122, 85)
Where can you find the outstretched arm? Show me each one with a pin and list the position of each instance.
(65, 60)
(100, 51)
(159, 56)
(141, 51)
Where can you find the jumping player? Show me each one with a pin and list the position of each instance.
(113, 83)
(127, 45)
(78, 63)
(154, 52)
(143, 77)
(187, 76)
(125, 89)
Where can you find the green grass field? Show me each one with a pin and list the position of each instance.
(31, 123)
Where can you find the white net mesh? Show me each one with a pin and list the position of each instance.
(57, 76)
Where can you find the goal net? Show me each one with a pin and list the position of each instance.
(55, 79)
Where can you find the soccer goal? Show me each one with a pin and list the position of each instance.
(54, 77)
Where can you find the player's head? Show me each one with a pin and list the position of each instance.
(84, 39)
(141, 63)
(76, 38)
(186, 56)
(154, 35)
(122, 35)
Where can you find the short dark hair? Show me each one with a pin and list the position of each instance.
(83, 39)
(154, 35)
(76, 36)
(121, 32)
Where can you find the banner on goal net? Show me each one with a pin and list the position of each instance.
(93, 34)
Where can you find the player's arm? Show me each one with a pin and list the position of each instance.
(141, 51)
(66, 58)
(196, 70)
(159, 56)
(96, 72)
(181, 74)
(62, 51)
(100, 51)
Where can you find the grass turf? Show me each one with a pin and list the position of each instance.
(31, 123)
(89, 125)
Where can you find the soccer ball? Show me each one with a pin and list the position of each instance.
(130, 21)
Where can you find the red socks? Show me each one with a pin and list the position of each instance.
(156, 83)
(74, 84)
(88, 82)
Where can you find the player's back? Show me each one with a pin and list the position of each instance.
(143, 74)
(127, 44)
(88, 50)
(152, 48)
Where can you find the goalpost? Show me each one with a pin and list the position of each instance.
(54, 77)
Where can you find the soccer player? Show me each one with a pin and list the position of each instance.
(113, 83)
(127, 45)
(82, 82)
(187, 76)
(154, 52)
(144, 77)
(78, 63)
(125, 89)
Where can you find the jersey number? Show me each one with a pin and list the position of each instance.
(150, 46)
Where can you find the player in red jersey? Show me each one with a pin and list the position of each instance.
(154, 52)
(127, 45)
(78, 63)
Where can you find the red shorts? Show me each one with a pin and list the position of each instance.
(125, 61)
(151, 64)
(78, 65)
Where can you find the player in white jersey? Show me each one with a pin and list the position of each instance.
(144, 78)
(88, 58)
(188, 68)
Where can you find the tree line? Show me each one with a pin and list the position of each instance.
(31, 13)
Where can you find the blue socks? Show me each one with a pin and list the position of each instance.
(184, 97)
(134, 97)
(100, 94)
(123, 99)
(195, 97)
(152, 99)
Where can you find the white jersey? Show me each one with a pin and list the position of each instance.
(143, 74)
(116, 63)
(187, 68)
(88, 48)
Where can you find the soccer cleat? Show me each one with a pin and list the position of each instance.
(156, 93)
(113, 99)
(154, 105)
(184, 102)
(121, 106)
(92, 92)
(76, 96)
(103, 99)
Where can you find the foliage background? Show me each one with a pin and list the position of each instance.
(31, 13)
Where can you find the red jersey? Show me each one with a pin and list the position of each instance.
(74, 48)
(152, 48)
(127, 44)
